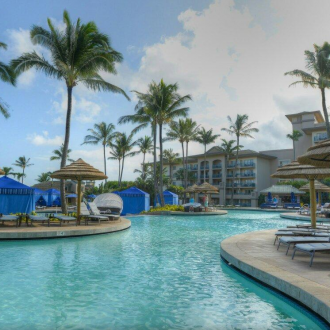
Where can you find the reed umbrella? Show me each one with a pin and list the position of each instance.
(319, 188)
(295, 170)
(192, 190)
(79, 170)
(318, 155)
(207, 188)
(2, 172)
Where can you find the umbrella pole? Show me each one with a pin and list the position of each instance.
(79, 201)
(313, 202)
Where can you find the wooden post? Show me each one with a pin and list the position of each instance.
(79, 201)
(312, 202)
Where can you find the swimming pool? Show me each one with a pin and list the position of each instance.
(162, 273)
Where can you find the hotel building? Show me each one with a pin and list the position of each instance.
(254, 168)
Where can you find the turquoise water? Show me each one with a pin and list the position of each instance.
(162, 273)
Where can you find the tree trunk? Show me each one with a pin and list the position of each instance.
(23, 175)
(186, 172)
(144, 158)
(325, 112)
(119, 172)
(204, 162)
(235, 172)
(65, 148)
(170, 173)
(122, 170)
(155, 162)
(105, 162)
(294, 151)
(161, 165)
(183, 164)
(225, 181)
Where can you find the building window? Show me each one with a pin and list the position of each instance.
(283, 162)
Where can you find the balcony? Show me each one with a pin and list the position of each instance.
(232, 165)
(320, 137)
(217, 176)
(230, 175)
(206, 167)
(193, 168)
(217, 166)
(247, 175)
(248, 164)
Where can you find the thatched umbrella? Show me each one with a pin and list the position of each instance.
(79, 170)
(2, 172)
(207, 188)
(295, 170)
(319, 188)
(318, 155)
(191, 190)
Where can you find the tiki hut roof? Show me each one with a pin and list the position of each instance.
(319, 186)
(318, 155)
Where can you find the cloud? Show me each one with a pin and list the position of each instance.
(44, 139)
(231, 62)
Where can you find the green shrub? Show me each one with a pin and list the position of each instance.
(165, 208)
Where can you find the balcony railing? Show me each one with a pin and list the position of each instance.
(217, 166)
(241, 185)
(193, 168)
(247, 175)
(206, 167)
(248, 164)
(214, 176)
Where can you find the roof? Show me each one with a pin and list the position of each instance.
(282, 190)
(133, 191)
(317, 114)
(13, 187)
(169, 193)
(53, 191)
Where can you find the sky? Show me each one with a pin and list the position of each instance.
(229, 55)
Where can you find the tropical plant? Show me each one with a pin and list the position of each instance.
(318, 75)
(6, 75)
(102, 133)
(240, 128)
(9, 171)
(20, 176)
(171, 158)
(145, 147)
(228, 149)
(23, 163)
(58, 153)
(205, 138)
(182, 175)
(44, 177)
(78, 53)
(121, 148)
(295, 136)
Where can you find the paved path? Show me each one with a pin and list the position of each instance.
(255, 254)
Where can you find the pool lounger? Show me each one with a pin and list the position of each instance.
(301, 239)
(311, 249)
(63, 218)
(10, 218)
(300, 233)
(85, 213)
(96, 211)
(36, 218)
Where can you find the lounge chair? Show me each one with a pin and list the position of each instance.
(311, 249)
(301, 232)
(63, 219)
(37, 218)
(95, 211)
(90, 217)
(10, 218)
(288, 241)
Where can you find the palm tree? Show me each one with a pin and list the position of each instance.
(172, 159)
(78, 53)
(177, 132)
(205, 138)
(9, 171)
(102, 133)
(23, 163)
(191, 130)
(228, 148)
(44, 177)
(121, 149)
(58, 153)
(295, 136)
(6, 75)
(317, 63)
(144, 116)
(240, 128)
(145, 147)
(20, 176)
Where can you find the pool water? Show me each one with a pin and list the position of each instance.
(162, 273)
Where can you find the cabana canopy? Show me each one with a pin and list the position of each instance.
(41, 197)
(54, 197)
(15, 197)
(281, 190)
(169, 198)
(135, 200)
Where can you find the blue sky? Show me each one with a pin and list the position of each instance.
(227, 54)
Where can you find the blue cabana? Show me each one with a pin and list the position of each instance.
(15, 197)
(135, 200)
(169, 198)
(41, 197)
(54, 197)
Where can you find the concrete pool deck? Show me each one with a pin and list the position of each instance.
(254, 254)
(39, 231)
(302, 217)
